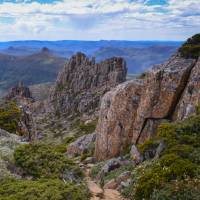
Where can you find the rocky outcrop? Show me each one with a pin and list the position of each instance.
(82, 83)
(164, 86)
(19, 92)
(26, 125)
(117, 114)
(191, 96)
(84, 144)
(131, 112)
(23, 98)
(135, 155)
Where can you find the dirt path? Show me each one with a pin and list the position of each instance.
(97, 192)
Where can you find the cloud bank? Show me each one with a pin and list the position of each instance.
(99, 19)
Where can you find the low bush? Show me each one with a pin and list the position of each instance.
(9, 116)
(61, 148)
(43, 161)
(179, 190)
(87, 128)
(191, 48)
(148, 149)
(51, 189)
(116, 172)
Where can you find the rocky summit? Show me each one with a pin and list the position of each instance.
(82, 83)
(18, 92)
(131, 112)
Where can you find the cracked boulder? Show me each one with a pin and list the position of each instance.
(191, 96)
(164, 86)
(117, 114)
(131, 112)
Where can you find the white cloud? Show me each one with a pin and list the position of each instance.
(100, 19)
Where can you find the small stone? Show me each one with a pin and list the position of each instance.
(135, 155)
(126, 183)
(160, 149)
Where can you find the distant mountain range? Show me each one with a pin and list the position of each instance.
(24, 60)
(37, 68)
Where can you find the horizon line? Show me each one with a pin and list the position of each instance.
(30, 40)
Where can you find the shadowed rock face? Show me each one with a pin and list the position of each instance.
(132, 112)
(82, 83)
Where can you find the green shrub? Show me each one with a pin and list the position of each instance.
(148, 149)
(179, 190)
(87, 128)
(60, 87)
(53, 189)
(96, 169)
(61, 148)
(116, 172)
(143, 75)
(40, 160)
(137, 173)
(191, 48)
(9, 116)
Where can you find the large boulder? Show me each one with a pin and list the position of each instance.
(164, 86)
(117, 114)
(84, 144)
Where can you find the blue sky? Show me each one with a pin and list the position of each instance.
(99, 19)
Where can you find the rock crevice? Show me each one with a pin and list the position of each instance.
(158, 99)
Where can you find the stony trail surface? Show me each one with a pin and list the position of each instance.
(97, 192)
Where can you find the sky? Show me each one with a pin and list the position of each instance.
(99, 19)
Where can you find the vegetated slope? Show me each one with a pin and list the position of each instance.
(37, 68)
(176, 174)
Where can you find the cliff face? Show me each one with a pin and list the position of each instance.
(132, 112)
(82, 83)
(117, 113)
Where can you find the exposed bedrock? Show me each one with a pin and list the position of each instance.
(191, 96)
(131, 112)
(82, 83)
(117, 114)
